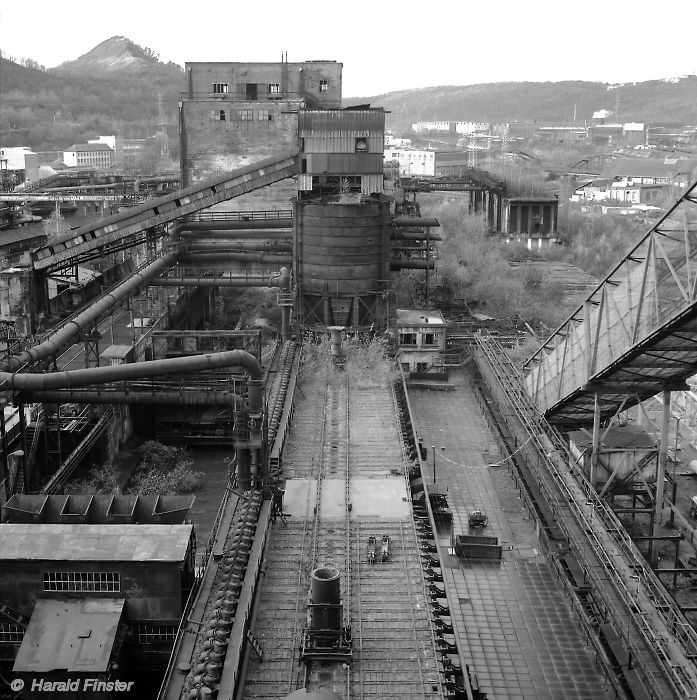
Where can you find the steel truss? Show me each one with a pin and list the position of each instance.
(635, 335)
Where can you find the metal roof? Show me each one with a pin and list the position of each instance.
(419, 317)
(636, 333)
(86, 542)
(648, 167)
(70, 635)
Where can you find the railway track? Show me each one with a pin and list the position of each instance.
(344, 442)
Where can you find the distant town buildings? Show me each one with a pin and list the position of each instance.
(17, 164)
(412, 161)
(639, 181)
(97, 155)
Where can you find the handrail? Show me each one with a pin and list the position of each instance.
(71, 462)
(571, 493)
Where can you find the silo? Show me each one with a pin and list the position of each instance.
(341, 259)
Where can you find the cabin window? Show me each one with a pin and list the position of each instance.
(220, 88)
(75, 581)
(323, 85)
(274, 89)
(407, 338)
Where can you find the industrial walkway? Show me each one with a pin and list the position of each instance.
(125, 229)
(635, 334)
(513, 621)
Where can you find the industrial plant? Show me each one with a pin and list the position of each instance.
(395, 518)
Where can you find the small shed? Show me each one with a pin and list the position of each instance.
(71, 640)
(421, 338)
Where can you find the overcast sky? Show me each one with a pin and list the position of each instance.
(384, 46)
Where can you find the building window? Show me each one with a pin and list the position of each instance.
(263, 115)
(220, 88)
(244, 115)
(222, 115)
(323, 85)
(407, 338)
(430, 339)
(75, 581)
(274, 89)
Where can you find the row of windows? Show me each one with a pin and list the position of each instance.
(410, 339)
(274, 88)
(241, 115)
(100, 581)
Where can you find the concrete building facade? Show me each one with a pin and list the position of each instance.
(234, 114)
(97, 155)
(421, 338)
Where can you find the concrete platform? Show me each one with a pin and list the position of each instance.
(370, 498)
(513, 621)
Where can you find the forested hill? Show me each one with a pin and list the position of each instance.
(114, 88)
(111, 90)
(655, 102)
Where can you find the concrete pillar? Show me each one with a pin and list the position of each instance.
(337, 350)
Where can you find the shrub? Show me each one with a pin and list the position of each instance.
(104, 479)
(164, 470)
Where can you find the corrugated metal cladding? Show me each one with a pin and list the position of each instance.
(344, 247)
(372, 183)
(344, 163)
(341, 142)
(305, 182)
(372, 120)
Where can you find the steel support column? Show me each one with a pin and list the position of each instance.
(661, 473)
(596, 441)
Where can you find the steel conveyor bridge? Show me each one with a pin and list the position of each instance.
(634, 336)
(128, 228)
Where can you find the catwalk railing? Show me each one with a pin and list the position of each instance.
(627, 333)
(654, 630)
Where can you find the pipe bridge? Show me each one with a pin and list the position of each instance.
(119, 231)
(636, 333)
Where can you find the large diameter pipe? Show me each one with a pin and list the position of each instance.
(274, 234)
(83, 320)
(280, 279)
(268, 258)
(181, 398)
(136, 370)
(413, 221)
(264, 245)
(187, 227)
(325, 590)
(255, 281)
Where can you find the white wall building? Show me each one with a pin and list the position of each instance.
(97, 155)
(431, 126)
(412, 161)
(472, 127)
